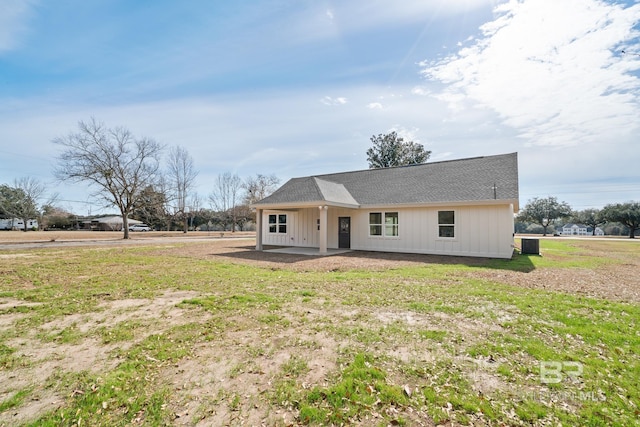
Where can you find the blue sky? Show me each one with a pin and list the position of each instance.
(297, 88)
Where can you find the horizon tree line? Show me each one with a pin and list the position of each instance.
(128, 172)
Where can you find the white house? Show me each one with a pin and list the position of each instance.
(17, 224)
(580, 230)
(461, 207)
(575, 230)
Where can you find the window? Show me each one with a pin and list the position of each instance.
(278, 223)
(375, 224)
(446, 224)
(386, 222)
(391, 224)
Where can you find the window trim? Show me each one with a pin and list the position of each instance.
(395, 226)
(452, 225)
(382, 225)
(277, 225)
(376, 224)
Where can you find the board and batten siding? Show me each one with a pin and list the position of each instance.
(301, 228)
(480, 231)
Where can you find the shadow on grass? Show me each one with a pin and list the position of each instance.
(518, 262)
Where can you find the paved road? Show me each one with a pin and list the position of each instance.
(112, 242)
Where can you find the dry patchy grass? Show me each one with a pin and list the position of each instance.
(214, 333)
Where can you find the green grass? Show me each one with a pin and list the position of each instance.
(16, 399)
(360, 387)
(439, 340)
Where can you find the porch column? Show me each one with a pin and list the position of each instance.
(323, 228)
(258, 229)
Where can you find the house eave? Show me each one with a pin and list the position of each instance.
(302, 205)
(489, 202)
(317, 203)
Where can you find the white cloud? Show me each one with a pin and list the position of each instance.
(327, 100)
(13, 17)
(374, 106)
(407, 134)
(553, 70)
(330, 14)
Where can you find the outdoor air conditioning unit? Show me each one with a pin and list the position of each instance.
(530, 247)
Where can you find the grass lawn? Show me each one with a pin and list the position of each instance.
(153, 335)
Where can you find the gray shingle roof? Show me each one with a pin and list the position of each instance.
(463, 180)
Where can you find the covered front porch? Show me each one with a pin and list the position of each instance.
(317, 230)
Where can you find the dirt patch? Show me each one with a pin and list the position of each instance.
(620, 282)
(40, 362)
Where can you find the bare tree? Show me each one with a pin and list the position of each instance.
(195, 205)
(259, 187)
(112, 160)
(226, 194)
(181, 176)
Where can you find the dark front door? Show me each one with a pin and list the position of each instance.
(344, 238)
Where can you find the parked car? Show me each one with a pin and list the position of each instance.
(139, 227)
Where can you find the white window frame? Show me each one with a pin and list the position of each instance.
(392, 226)
(448, 225)
(278, 225)
(383, 226)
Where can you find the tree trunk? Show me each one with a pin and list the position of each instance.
(125, 226)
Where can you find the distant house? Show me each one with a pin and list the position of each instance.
(108, 223)
(461, 207)
(17, 224)
(580, 230)
(575, 230)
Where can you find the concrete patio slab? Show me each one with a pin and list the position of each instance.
(307, 251)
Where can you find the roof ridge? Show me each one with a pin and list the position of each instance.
(315, 183)
(413, 165)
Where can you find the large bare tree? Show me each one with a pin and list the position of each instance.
(181, 176)
(113, 161)
(260, 186)
(226, 195)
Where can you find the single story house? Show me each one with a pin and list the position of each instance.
(460, 207)
(17, 224)
(108, 223)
